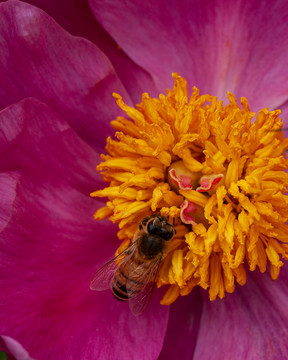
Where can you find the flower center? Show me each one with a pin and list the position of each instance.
(218, 171)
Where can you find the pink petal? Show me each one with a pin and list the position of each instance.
(8, 183)
(216, 45)
(68, 73)
(183, 327)
(251, 323)
(284, 117)
(47, 137)
(12, 349)
(51, 247)
(76, 17)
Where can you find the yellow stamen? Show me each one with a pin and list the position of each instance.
(225, 162)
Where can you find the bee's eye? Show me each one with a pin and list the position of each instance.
(167, 235)
(152, 228)
(158, 229)
(143, 222)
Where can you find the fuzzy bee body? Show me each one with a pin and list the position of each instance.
(128, 278)
(131, 275)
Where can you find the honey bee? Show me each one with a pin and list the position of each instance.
(131, 275)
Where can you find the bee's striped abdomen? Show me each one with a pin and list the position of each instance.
(124, 287)
(119, 291)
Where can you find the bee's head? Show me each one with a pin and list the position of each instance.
(161, 227)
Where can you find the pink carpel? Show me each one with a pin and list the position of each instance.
(208, 182)
(182, 181)
(187, 208)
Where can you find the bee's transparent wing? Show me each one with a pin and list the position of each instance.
(140, 302)
(103, 278)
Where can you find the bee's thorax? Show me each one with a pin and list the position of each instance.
(150, 246)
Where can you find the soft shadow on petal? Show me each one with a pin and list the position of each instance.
(218, 46)
(30, 127)
(251, 323)
(12, 349)
(284, 117)
(8, 183)
(76, 17)
(51, 247)
(183, 327)
(69, 73)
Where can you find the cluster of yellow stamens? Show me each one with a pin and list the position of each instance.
(218, 170)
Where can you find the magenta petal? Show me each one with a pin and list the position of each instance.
(51, 247)
(284, 117)
(57, 150)
(76, 17)
(8, 184)
(183, 327)
(68, 73)
(251, 323)
(218, 46)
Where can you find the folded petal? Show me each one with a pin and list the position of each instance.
(12, 349)
(249, 324)
(51, 247)
(217, 46)
(76, 17)
(284, 117)
(8, 183)
(183, 327)
(69, 73)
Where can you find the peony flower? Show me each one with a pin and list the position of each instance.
(60, 64)
(205, 165)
